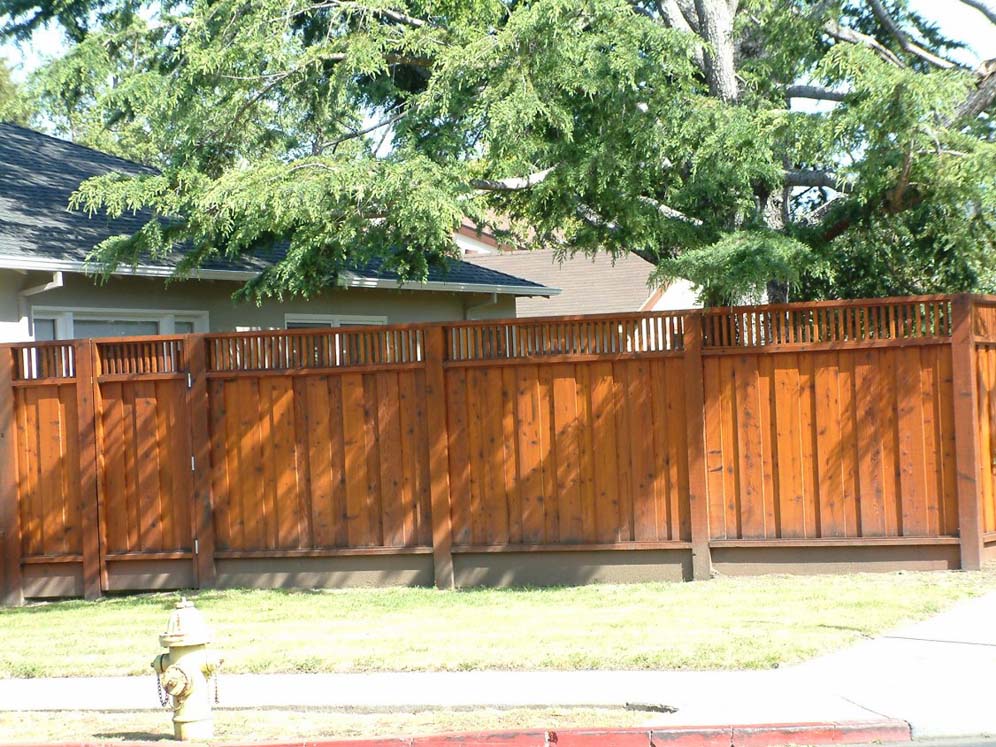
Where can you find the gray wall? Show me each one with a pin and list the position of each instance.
(214, 297)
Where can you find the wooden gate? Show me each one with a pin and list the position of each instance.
(144, 465)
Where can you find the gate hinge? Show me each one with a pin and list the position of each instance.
(193, 464)
(190, 380)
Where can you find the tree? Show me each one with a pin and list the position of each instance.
(354, 131)
(14, 105)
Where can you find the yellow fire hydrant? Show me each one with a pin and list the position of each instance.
(185, 672)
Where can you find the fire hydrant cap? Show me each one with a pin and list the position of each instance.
(186, 627)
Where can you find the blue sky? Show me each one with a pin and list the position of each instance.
(955, 19)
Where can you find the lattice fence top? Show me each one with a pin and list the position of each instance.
(834, 322)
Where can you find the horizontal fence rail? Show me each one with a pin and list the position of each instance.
(420, 453)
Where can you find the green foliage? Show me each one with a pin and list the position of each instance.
(334, 134)
(737, 268)
(15, 106)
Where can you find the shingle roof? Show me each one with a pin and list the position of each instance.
(38, 173)
(588, 285)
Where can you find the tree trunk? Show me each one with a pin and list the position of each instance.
(716, 27)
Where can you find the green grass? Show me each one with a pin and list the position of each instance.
(262, 725)
(727, 623)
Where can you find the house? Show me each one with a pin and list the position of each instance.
(46, 294)
(598, 285)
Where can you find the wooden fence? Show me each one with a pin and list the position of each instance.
(655, 445)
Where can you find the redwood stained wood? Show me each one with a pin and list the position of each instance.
(623, 451)
(848, 443)
(391, 476)
(354, 445)
(513, 495)
(638, 399)
(966, 414)
(749, 446)
(530, 452)
(412, 450)
(946, 437)
(790, 492)
(912, 478)
(568, 482)
(610, 440)
(458, 448)
(10, 524)
(715, 464)
(550, 456)
(607, 524)
(371, 429)
(868, 407)
(494, 500)
(829, 451)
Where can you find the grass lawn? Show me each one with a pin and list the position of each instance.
(727, 623)
(263, 725)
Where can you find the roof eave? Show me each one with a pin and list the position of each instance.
(349, 280)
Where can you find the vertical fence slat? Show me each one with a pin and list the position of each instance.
(966, 413)
(10, 531)
(439, 471)
(695, 423)
(84, 352)
(194, 351)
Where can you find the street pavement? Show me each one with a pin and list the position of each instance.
(937, 675)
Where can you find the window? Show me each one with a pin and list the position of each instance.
(311, 321)
(49, 323)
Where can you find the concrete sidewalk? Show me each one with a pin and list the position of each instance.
(936, 675)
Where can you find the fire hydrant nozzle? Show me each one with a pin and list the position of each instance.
(184, 672)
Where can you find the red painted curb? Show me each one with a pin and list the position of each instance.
(760, 735)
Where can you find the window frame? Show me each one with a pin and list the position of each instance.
(65, 317)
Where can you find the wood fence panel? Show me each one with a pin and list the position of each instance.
(49, 498)
(310, 462)
(863, 439)
(144, 469)
(586, 453)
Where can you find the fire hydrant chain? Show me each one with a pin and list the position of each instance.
(163, 696)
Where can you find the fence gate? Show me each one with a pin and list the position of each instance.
(144, 465)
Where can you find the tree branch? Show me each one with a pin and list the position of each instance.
(360, 133)
(675, 19)
(669, 212)
(814, 92)
(983, 8)
(513, 183)
(981, 98)
(816, 178)
(844, 34)
(391, 15)
(904, 41)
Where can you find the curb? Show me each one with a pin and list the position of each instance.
(760, 735)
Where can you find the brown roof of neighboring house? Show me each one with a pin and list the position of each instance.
(588, 285)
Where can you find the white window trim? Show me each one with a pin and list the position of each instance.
(65, 317)
(334, 320)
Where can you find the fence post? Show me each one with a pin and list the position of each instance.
(695, 430)
(83, 358)
(439, 457)
(966, 426)
(11, 591)
(202, 515)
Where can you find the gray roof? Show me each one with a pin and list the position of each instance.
(588, 285)
(38, 173)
